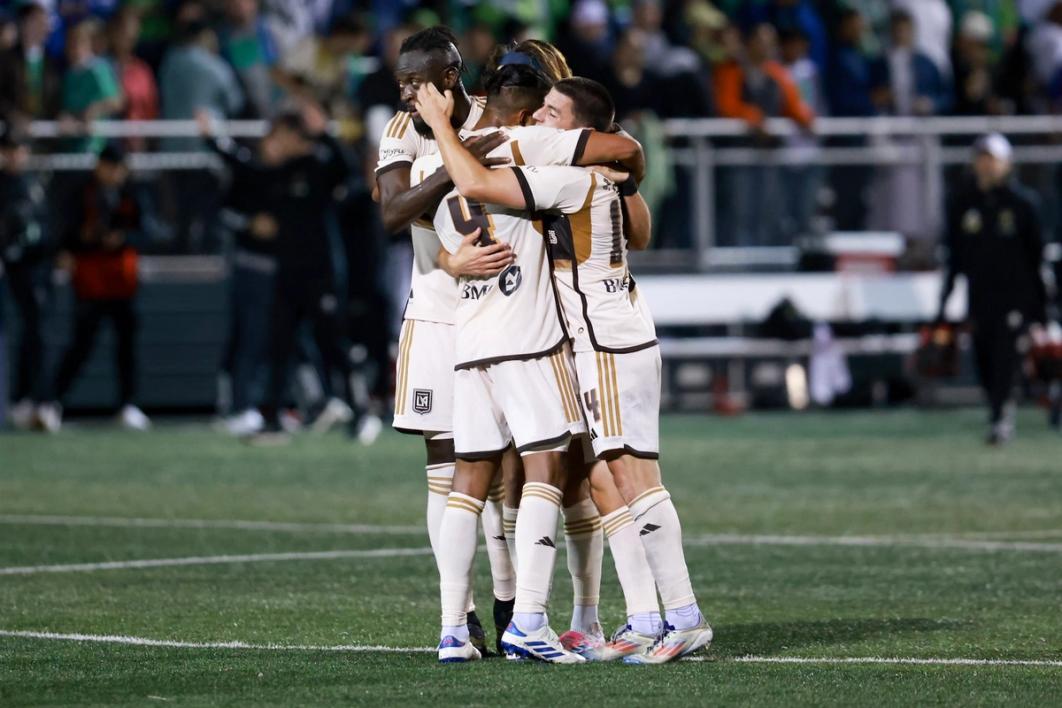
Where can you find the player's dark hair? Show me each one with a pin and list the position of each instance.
(439, 38)
(591, 102)
(531, 52)
(520, 87)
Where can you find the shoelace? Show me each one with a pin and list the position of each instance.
(668, 629)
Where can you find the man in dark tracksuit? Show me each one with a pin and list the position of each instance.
(27, 260)
(248, 213)
(301, 190)
(994, 238)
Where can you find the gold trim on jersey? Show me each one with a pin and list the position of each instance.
(518, 157)
(608, 390)
(562, 264)
(402, 375)
(564, 385)
(397, 127)
(582, 236)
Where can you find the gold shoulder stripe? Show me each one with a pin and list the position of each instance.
(403, 125)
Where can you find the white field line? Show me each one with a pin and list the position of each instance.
(935, 542)
(315, 527)
(123, 522)
(175, 644)
(365, 648)
(214, 560)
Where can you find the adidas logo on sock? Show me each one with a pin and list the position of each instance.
(545, 541)
(648, 529)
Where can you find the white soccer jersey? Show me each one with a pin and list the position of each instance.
(583, 221)
(514, 315)
(432, 292)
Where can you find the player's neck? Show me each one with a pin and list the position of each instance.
(491, 119)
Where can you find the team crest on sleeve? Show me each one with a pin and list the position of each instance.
(422, 400)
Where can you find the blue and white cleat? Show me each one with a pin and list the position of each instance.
(674, 644)
(541, 644)
(453, 651)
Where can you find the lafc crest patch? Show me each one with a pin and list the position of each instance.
(422, 400)
(971, 221)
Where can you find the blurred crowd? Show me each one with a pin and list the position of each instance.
(302, 64)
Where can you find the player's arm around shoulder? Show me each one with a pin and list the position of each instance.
(473, 180)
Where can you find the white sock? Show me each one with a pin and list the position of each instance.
(684, 617)
(457, 631)
(529, 621)
(586, 548)
(501, 567)
(440, 482)
(457, 551)
(658, 527)
(536, 531)
(509, 527)
(632, 567)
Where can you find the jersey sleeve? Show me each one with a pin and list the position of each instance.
(566, 189)
(398, 144)
(444, 225)
(539, 145)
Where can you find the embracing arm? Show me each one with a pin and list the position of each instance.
(603, 148)
(637, 222)
(399, 204)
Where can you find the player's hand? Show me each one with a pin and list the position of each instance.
(481, 145)
(611, 173)
(205, 122)
(477, 261)
(434, 108)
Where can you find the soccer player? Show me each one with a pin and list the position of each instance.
(513, 381)
(617, 357)
(424, 380)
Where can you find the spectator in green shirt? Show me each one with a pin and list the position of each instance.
(90, 88)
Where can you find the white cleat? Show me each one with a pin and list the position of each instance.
(453, 651)
(243, 424)
(626, 642)
(23, 414)
(335, 412)
(541, 644)
(674, 644)
(369, 428)
(50, 417)
(132, 418)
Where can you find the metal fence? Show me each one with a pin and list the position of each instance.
(705, 152)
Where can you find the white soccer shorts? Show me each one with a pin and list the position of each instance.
(620, 397)
(424, 377)
(531, 403)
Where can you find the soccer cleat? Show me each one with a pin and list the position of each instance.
(368, 429)
(132, 418)
(674, 644)
(541, 644)
(626, 642)
(453, 651)
(246, 423)
(23, 414)
(503, 615)
(50, 417)
(334, 412)
(476, 636)
(586, 644)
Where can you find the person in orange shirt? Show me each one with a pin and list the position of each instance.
(753, 86)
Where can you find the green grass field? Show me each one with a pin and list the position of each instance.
(811, 538)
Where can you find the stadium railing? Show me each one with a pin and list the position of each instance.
(699, 148)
